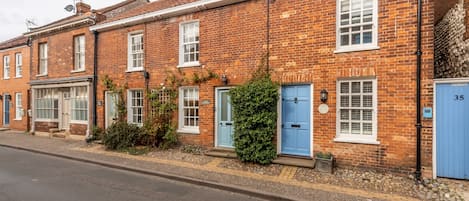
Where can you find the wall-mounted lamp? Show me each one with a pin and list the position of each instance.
(224, 79)
(324, 95)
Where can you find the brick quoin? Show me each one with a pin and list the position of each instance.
(303, 40)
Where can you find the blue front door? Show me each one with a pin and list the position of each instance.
(296, 119)
(6, 110)
(452, 130)
(224, 120)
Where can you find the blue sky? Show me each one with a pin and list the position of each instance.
(13, 13)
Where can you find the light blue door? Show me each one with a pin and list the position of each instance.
(452, 130)
(296, 119)
(224, 120)
(6, 110)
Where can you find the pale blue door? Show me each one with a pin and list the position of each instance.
(296, 120)
(224, 120)
(6, 110)
(452, 130)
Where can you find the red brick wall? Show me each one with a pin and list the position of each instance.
(78, 129)
(15, 85)
(61, 54)
(232, 41)
(45, 126)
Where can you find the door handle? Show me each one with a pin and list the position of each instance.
(228, 124)
(296, 126)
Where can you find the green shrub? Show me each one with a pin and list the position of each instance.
(122, 135)
(97, 133)
(255, 117)
(324, 155)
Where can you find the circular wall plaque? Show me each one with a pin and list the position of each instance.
(323, 109)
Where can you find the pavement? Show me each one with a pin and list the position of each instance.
(30, 176)
(269, 187)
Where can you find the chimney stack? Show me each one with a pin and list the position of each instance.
(82, 8)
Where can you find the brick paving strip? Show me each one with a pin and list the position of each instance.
(276, 187)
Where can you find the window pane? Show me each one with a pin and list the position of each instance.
(356, 39)
(367, 101)
(344, 127)
(367, 87)
(356, 101)
(344, 115)
(345, 5)
(344, 87)
(344, 40)
(367, 128)
(344, 101)
(356, 115)
(356, 87)
(367, 37)
(367, 115)
(355, 128)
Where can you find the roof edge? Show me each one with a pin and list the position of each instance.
(165, 13)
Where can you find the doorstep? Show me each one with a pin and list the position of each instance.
(221, 152)
(293, 161)
(4, 129)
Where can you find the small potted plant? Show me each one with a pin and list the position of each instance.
(324, 162)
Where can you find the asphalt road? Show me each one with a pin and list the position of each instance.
(26, 176)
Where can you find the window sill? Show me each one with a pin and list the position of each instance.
(130, 70)
(192, 64)
(188, 131)
(356, 141)
(41, 75)
(356, 49)
(78, 122)
(46, 120)
(77, 71)
(6, 78)
(18, 77)
(17, 119)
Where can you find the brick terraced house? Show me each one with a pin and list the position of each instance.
(362, 52)
(14, 87)
(63, 69)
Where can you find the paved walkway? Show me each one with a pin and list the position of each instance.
(281, 186)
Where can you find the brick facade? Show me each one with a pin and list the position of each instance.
(65, 81)
(451, 44)
(303, 41)
(14, 85)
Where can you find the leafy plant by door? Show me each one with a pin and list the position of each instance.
(255, 116)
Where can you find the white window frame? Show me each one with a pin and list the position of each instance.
(358, 47)
(73, 105)
(19, 106)
(46, 105)
(18, 65)
(187, 128)
(6, 67)
(130, 52)
(182, 63)
(79, 49)
(358, 138)
(43, 59)
(131, 108)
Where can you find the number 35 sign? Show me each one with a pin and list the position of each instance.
(459, 97)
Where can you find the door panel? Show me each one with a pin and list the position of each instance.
(452, 130)
(6, 110)
(111, 108)
(224, 120)
(296, 118)
(66, 109)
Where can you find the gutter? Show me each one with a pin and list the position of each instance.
(45, 30)
(418, 125)
(165, 13)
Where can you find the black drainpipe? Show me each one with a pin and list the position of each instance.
(418, 125)
(95, 78)
(268, 36)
